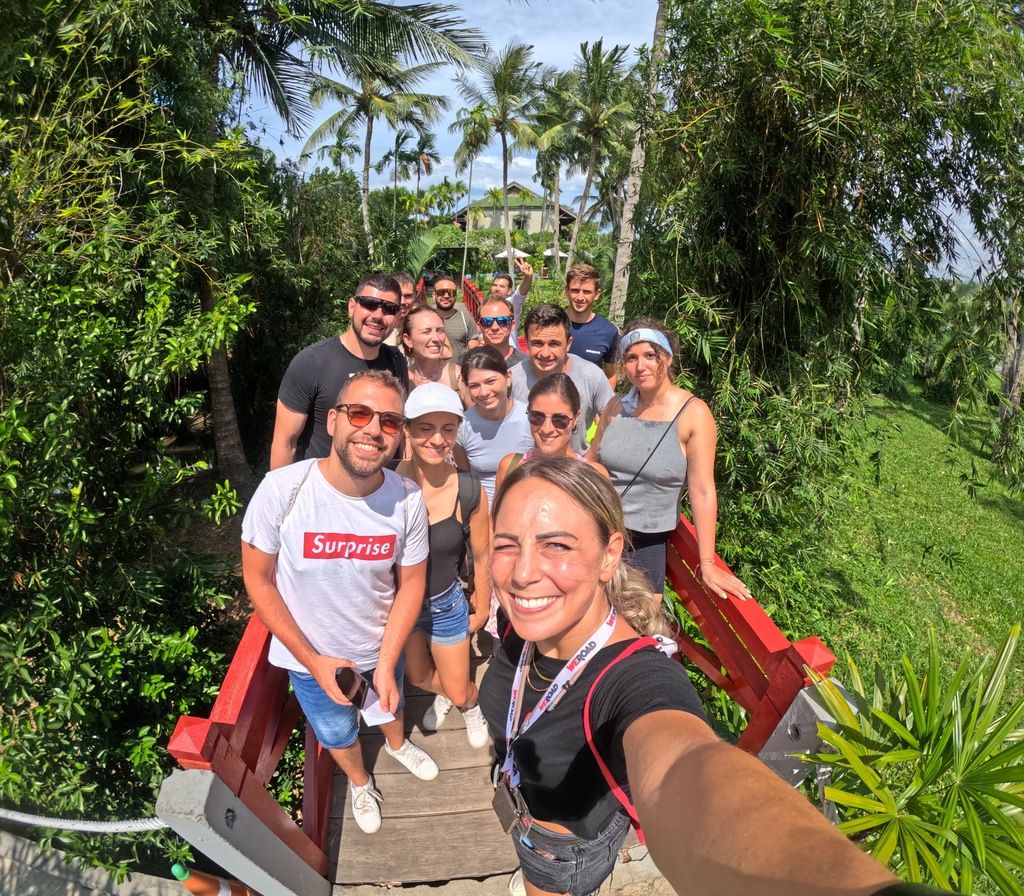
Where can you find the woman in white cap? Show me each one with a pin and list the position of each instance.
(654, 440)
(437, 652)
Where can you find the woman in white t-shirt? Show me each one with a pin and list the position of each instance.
(496, 424)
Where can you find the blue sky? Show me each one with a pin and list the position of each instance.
(555, 28)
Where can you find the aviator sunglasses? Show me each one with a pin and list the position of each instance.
(558, 421)
(444, 292)
(372, 303)
(503, 321)
(359, 415)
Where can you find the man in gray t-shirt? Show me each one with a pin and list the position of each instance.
(548, 337)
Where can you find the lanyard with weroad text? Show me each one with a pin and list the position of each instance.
(570, 672)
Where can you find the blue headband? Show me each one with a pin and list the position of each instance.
(644, 334)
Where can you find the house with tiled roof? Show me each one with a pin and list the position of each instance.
(529, 212)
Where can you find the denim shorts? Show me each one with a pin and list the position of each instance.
(335, 726)
(579, 867)
(445, 617)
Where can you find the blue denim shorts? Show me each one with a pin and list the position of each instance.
(578, 867)
(445, 617)
(335, 726)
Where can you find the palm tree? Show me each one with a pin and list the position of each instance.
(624, 246)
(401, 159)
(344, 149)
(427, 156)
(508, 92)
(265, 45)
(552, 121)
(385, 95)
(476, 134)
(600, 109)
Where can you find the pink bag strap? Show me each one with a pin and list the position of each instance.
(613, 785)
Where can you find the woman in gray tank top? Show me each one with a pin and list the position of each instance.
(654, 440)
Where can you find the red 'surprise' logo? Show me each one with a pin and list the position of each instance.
(346, 546)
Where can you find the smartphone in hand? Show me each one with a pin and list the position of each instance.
(352, 685)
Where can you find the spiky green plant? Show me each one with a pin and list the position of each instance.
(928, 775)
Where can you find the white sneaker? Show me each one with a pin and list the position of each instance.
(476, 727)
(437, 712)
(414, 759)
(366, 802)
(515, 883)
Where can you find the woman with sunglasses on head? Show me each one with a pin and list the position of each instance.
(553, 411)
(496, 423)
(655, 440)
(423, 340)
(437, 652)
(593, 725)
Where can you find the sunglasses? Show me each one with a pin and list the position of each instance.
(359, 415)
(503, 321)
(444, 292)
(372, 303)
(352, 685)
(558, 421)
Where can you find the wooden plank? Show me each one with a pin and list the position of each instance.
(417, 850)
(448, 747)
(456, 790)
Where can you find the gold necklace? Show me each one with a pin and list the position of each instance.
(529, 678)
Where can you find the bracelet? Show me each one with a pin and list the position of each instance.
(705, 562)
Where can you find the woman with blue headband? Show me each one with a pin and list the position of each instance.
(654, 440)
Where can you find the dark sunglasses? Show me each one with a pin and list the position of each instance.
(444, 292)
(372, 303)
(360, 415)
(352, 685)
(558, 421)
(503, 321)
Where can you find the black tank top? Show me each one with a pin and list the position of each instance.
(446, 540)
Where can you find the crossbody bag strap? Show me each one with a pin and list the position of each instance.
(295, 494)
(588, 732)
(668, 429)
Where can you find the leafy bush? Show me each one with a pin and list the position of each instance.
(928, 774)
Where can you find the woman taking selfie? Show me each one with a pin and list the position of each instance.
(654, 440)
(423, 341)
(437, 652)
(553, 412)
(582, 704)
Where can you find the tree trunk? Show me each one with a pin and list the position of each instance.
(556, 243)
(624, 248)
(591, 164)
(394, 199)
(365, 203)
(1013, 372)
(469, 220)
(508, 223)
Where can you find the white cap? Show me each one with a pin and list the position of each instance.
(431, 398)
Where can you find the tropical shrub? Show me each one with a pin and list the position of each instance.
(928, 774)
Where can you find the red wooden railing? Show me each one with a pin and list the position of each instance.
(244, 739)
(749, 658)
(245, 736)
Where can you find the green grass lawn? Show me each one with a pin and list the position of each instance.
(912, 549)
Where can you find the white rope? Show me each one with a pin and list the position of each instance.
(92, 827)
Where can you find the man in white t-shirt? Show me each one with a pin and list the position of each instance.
(334, 557)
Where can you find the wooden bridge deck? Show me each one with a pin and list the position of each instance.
(436, 830)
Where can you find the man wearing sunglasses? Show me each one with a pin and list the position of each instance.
(334, 558)
(496, 320)
(548, 339)
(459, 326)
(315, 376)
(501, 288)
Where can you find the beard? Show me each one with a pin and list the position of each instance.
(357, 466)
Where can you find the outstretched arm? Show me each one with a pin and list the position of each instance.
(718, 821)
(698, 437)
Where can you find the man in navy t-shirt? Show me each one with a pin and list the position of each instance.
(594, 337)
